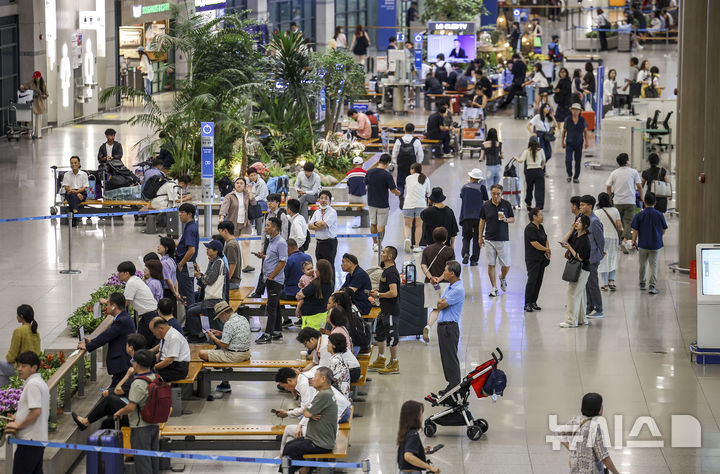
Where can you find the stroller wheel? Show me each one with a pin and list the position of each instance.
(474, 432)
(430, 429)
(483, 424)
(53, 210)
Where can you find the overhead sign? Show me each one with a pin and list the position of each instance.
(465, 26)
(205, 5)
(386, 18)
(159, 8)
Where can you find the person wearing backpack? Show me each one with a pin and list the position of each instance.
(656, 173)
(149, 401)
(441, 71)
(406, 151)
(155, 170)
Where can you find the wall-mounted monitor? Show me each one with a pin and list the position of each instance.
(708, 273)
(455, 40)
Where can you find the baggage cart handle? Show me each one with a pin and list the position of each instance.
(495, 357)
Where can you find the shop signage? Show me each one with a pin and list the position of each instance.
(159, 8)
(204, 5)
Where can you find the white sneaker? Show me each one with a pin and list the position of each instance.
(494, 292)
(426, 334)
(566, 325)
(417, 249)
(375, 247)
(408, 249)
(503, 284)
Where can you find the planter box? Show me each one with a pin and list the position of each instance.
(586, 44)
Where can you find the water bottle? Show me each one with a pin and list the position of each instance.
(91, 188)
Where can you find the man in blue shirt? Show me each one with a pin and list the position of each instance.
(648, 227)
(597, 252)
(293, 269)
(359, 281)
(273, 265)
(187, 253)
(473, 196)
(450, 309)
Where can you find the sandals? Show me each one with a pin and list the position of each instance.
(613, 287)
(605, 288)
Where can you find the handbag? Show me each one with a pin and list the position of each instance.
(254, 211)
(620, 233)
(550, 136)
(660, 187)
(510, 170)
(572, 271)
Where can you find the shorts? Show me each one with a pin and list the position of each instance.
(353, 199)
(432, 296)
(379, 216)
(413, 212)
(498, 250)
(220, 355)
(386, 329)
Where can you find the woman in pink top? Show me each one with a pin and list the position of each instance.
(338, 324)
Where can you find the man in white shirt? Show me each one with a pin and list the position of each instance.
(315, 343)
(173, 352)
(324, 224)
(31, 418)
(75, 183)
(298, 227)
(621, 186)
(308, 185)
(139, 295)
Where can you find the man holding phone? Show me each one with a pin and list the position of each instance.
(493, 230)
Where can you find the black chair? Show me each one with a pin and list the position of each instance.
(659, 133)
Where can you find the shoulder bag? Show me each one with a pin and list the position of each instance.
(572, 271)
(620, 232)
(660, 187)
(436, 256)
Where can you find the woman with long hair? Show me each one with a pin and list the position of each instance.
(340, 38)
(315, 296)
(360, 45)
(146, 69)
(40, 95)
(166, 250)
(411, 452)
(543, 126)
(539, 81)
(235, 209)
(609, 91)
(588, 86)
(341, 372)
(153, 276)
(417, 189)
(491, 152)
(24, 338)
(577, 245)
(534, 158)
(577, 89)
(610, 218)
(563, 95)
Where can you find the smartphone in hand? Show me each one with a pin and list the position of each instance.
(436, 448)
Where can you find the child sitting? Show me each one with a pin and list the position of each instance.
(308, 276)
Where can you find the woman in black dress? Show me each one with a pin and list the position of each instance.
(653, 173)
(563, 96)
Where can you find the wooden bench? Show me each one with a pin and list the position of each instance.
(220, 437)
(255, 307)
(251, 370)
(239, 295)
(93, 206)
(340, 451)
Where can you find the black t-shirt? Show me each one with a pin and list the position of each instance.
(486, 86)
(411, 14)
(390, 305)
(379, 182)
(581, 245)
(589, 80)
(311, 303)
(360, 280)
(432, 131)
(433, 85)
(534, 234)
(413, 445)
(433, 217)
(495, 229)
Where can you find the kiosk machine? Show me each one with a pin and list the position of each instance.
(708, 298)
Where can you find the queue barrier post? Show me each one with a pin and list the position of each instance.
(8, 454)
(285, 465)
(70, 270)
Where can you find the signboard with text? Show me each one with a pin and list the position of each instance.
(207, 149)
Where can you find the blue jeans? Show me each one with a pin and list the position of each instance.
(546, 145)
(608, 277)
(148, 86)
(494, 175)
(590, 98)
(573, 152)
(186, 285)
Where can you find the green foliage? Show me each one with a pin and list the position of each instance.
(343, 79)
(454, 10)
(83, 315)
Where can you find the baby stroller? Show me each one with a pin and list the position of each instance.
(486, 380)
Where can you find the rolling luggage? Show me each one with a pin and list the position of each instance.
(589, 117)
(511, 190)
(105, 463)
(520, 107)
(413, 315)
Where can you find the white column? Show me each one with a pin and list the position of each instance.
(259, 8)
(324, 23)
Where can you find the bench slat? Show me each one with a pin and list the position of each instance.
(193, 371)
(342, 442)
(256, 364)
(220, 430)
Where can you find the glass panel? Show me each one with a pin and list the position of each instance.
(8, 91)
(9, 65)
(339, 8)
(284, 15)
(352, 20)
(362, 5)
(7, 36)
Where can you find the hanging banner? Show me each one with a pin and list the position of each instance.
(386, 17)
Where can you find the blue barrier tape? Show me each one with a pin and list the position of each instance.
(663, 30)
(38, 218)
(165, 454)
(339, 236)
(128, 213)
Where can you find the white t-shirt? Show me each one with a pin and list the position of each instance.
(415, 193)
(75, 181)
(108, 150)
(527, 157)
(321, 355)
(139, 295)
(35, 394)
(540, 125)
(539, 80)
(623, 182)
(241, 207)
(167, 194)
(175, 345)
(298, 229)
(609, 228)
(305, 392)
(146, 67)
(350, 360)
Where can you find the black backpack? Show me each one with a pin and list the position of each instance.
(441, 73)
(406, 156)
(153, 185)
(360, 332)
(225, 185)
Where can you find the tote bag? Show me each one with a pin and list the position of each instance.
(572, 271)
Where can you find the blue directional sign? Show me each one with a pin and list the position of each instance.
(418, 38)
(207, 149)
(418, 53)
(207, 129)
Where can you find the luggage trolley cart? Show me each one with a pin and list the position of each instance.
(22, 115)
(473, 131)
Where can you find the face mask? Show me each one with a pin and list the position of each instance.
(323, 206)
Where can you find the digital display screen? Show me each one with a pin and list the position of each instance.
(710, 268)
(456, 48)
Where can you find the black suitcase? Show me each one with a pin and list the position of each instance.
(521, 107)
(413, 315)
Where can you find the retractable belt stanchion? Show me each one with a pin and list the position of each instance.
(70, 270)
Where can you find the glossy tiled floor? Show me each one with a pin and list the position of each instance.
(636, 357)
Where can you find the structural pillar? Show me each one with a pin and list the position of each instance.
(692, 96)
(711, 189)
(325, 23)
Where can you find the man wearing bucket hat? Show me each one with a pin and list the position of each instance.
(574, 139)
(438, 215)
(473, 196)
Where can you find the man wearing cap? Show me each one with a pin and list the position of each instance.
(473, 195)
(495, 216)
(214, 282)
(173, 352)
(233, 340)
(574, 139)
(356, 182)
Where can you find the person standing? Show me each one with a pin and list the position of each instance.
(534, 158)
(30, 421)
(417, 190)
(324, 223)
(231, 250)
(40, 95)
(256, 185)
(588, 86)
(574, 138)
(407, 150)
(473, 195)
(139, 295)
(438, 215)
(297, 224)
(622, 184)
(187, 248)
(577, 246)
(116, 359)
(648, 229)
(146, 69)
(563, 95)
(437, 130)
(308, 186)
(495, 216)
(597, 251)
(543, 126)
(386, 329)
(75, 183)
(234, 208)
(433, 261)
(274, 210)
(610, 220)
(166, 250)
(360, 45)
(24, 338)
(449, 309)
(655, 173)
(537, 257)
(491, 152)
(379, 182)
(340, 38)
(273, 264)
(602, 23)
(356, 182)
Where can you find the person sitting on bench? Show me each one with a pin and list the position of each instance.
(322, 424)
(75, 183)
(173, 352)
(316, 344)
(113, 398)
